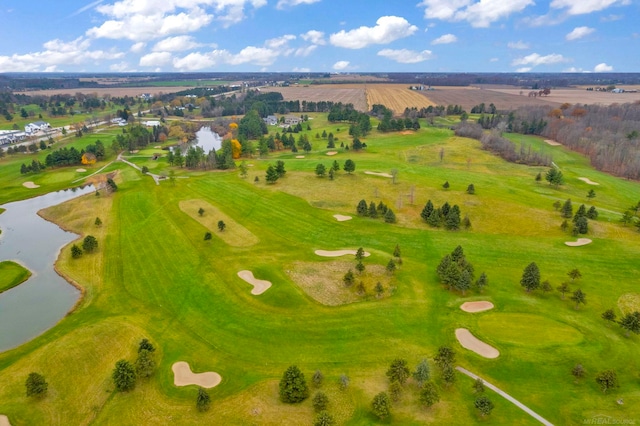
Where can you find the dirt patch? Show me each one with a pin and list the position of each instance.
(396, 97)
(387, 175)
(299, 156)
(81, 170)
(407, 132)
(338, 253)
(471, 342)
(580, 242)
(4, 420)
(629, 303)
(476, 306)
(323, 282)
(183, 376)
(342, 218)
(588, 181)
(259, 286)
(332, 152)
(30, 185)
(552, 142)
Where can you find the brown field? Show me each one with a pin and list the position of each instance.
(468, 97)
(396, 97)
(345, 93)
(113, 91)
(579, 96)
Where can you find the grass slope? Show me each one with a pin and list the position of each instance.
(12, 274)
(154, 276)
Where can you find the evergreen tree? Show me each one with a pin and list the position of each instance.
(389, 216)
(434, 219)
(464, 282)
(582, 212)
(36, 385)
(348, 278)
(360, 253)
(362, 209)
(567, 209)
(221, 225)
(592, 213)
(398, 371)
(631, 323)
(609, 315)
(293, 387)
(203, 401)
(335, 166)
(484, 405)
(373, 212)
(538, 177)
(391, 266)
(124, 376)
(396, 252)
(582, 225)
(452, 220)
(471, 189)
(320, 401)
(321, 170)
(280, 168)
(481, 283)
(76, 251)
(379, 289)
(448, 375)
(395, 391)
(146, 345)
(349, 166)
(331, 174)
(591, 194)
(89, 244)
(446, 185)
(272, 175)
(429, 395)
(317, 378)
(98, 222)
(422, 373)
(381, 405)
(145, 364)
(426, 211)
(360, 267)
(530, 277)
(457, 254)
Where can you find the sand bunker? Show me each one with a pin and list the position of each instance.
(378, 174)
(471, 342)
(157, 147)
(588, 181)
(183, 376)
(30, 185)
(81, 170)
(552, 142)
(4, 420)
(580, 242)
(338, 253)
(342, 218)
(259, 286)
(332, 152)
(299, 156)
(476, 306)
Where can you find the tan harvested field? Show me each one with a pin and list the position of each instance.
(468, 97)
(345, 93)
(113, 91)
(396, 97)
(578, 96)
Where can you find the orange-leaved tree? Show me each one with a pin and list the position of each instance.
(236, 148)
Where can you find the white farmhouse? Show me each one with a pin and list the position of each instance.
(36, 127)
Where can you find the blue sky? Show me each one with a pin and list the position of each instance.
(320, 35)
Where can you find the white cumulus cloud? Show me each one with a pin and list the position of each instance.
(478, 14)
(536, 59)
(524, 69)
(518, 45)
(176, 44)
(579, 32)
(581, 7)
(603, 67)
(314, 36)
(195, 61)
(445, 39)
(341, 65)
(405, 56)
(279, 42)
(283, 4)
(155, 59)
(305, 51)
(138, 47)
(387, 29)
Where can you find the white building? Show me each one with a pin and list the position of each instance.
(36, 127)
(151, 123)
(271, 120)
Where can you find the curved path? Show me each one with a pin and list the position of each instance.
(508, 397)
(155, 177)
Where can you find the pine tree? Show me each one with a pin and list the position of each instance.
(389, 216)
(434, 219)
(426, 211)
(280, 168)
(452, 221)
(471, 189)
(567, 209)
(446, 185)
(348, 278)
(398, 371)
(203, 401)
(272, 175)
(429, 395)
(530, 277)
(293, 387)
(422, 373)
(320, 401)
(391, 266)
(482, 282)
(362, 209)
(373, 212)
(592, 213)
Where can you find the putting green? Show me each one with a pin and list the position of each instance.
(527, 330)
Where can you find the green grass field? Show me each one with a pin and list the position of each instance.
(155, 277)
(12, 274)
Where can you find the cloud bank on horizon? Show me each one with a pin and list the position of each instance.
(321, 36)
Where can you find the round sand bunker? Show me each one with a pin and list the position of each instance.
(259, 286)
(387, 175)
(338, 253)
(476, 306)
(81, 170)
(580, 242)
(342, 218)
(299, 156)
(471, 342)
(4, 420)
(30, 185)
(183, 376)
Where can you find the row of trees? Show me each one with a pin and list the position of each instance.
(445, 215)
(371, 210)
(125, 373)
(389, 124)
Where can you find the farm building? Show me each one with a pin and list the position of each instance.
(271, 120)
(291, 120)
(36, 126)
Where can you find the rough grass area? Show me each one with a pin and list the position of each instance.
(323, 281)
(12, 274)
(629, 303)
(234, 233)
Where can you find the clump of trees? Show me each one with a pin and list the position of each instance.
(457, 273)
(381, 210)
(445, 215)
(36, 385)
(125, 374)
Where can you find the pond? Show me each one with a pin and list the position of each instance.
(36, 305)
(208, 139)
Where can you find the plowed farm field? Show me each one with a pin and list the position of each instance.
(396, 97)
(345, 93)
(469, 97)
